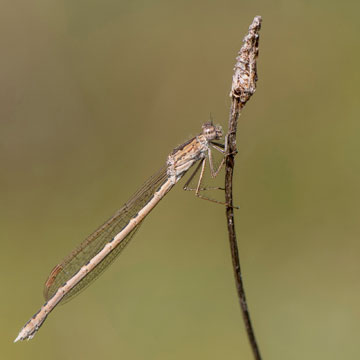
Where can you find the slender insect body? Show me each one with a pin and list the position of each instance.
(98, 251)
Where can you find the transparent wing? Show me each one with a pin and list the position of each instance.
(100, 268)
(97, 240)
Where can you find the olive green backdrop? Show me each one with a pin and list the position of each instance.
(95, 94)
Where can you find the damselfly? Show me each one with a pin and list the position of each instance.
(100, 249)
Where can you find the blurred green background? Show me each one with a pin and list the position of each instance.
(95, 94)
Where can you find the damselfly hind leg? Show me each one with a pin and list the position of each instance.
(213, 172)
(199, 188)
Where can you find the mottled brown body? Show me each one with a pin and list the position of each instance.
(129, 217)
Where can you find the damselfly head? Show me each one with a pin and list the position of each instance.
(212, 132)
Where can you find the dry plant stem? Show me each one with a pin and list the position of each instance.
(243, 87)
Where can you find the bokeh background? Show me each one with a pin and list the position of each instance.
(95, 94)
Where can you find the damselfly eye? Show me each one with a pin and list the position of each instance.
(212, 132)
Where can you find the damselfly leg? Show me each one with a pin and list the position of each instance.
(213, 172)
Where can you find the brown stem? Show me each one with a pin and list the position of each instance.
(243, 87)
